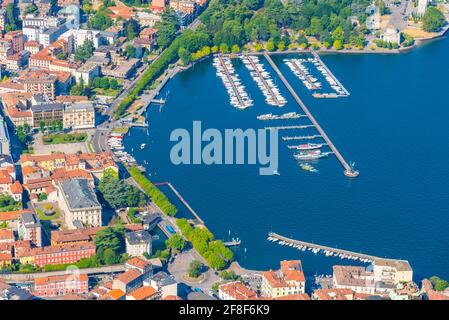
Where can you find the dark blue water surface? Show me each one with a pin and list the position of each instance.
(394, 125)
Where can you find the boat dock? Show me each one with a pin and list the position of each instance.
(232, 243)
(316, 248)
(290, 127)
(315, 136)
(184, 202)
(231, 81)
(305, 75)
(348, 170)
(346, 92)
(263, 80)
(160, 101)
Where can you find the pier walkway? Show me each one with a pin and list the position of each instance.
(290, 127)
(184, 202)
(262, 78)
(317, 248)
(231, 81)
(317, 56)
(315, 136)
(348, 170)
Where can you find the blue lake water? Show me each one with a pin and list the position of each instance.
(394, 125)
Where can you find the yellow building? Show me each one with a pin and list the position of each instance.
(286, 281)
(79, 116)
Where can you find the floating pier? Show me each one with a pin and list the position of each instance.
(160, 101)
(263, 80)
(316, 248)
(232, 243)
(311, 137)
(291, 127)
(231, 81)
(348, 170)
(317, 57)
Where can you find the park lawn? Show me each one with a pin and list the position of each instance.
(58, 138)
(123, 130)
(44, 217)
(106, 92)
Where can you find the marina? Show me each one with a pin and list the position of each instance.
(239, 98)
(264, 81)
(316, 248)
(348, 169)
(302, 72)
(323, 207)
(330, 78)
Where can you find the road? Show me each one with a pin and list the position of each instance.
(29, 277)
(399, 13)
(103, 129)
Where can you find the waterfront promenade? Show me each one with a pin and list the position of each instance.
(348, 170)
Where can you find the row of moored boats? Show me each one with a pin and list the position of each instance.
(328, 253)
(238, 97)
(329, 77)
(297, 66)
(264, 81)
(115, 143)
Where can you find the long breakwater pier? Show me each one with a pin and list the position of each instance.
(316, 248)
(184, 202)
(348, 170)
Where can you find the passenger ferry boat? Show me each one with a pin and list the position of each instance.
(307, 146)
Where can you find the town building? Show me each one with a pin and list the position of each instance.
(128, 281)
(17, 40)
(422, 7)
(79, 202)
(235, 291)
(47, 113)
(289, 279)
(54, 286)
(32, 46)
(164, 284)
(143, 293)
(391, 35)
(29, 228)
(333, 294)
(138, 243)
(51, 255)
(5, 147)
(392, 271)
(79, 116)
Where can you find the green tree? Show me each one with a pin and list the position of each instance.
(270, 45)
(85, 51)
(130, 51)
(176, 242)
(224, 48)
(235, 48)
(110, 244)
(31, 9)
(167, 28)
(42, 126)
(185, 56)
(119, 194)
(338, 45)
(433, 20)
(195, 269)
